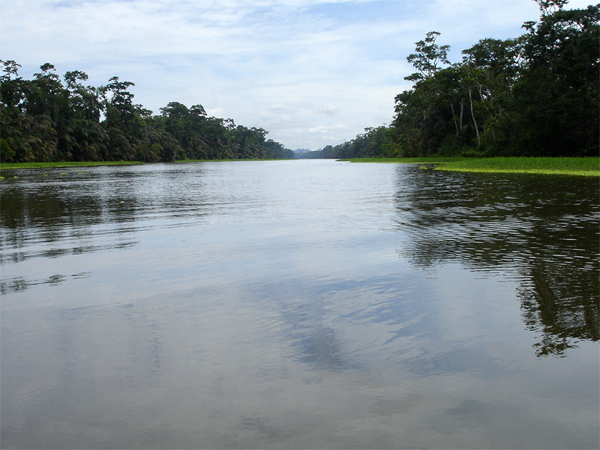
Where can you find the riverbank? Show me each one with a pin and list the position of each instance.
(44, 165)
(589, 166)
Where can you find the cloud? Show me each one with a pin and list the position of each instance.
(326, 129)
(327, 109)
(284, 65)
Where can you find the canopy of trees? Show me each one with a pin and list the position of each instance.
(535, 95)
(46, 119)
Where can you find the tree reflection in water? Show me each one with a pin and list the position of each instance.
(540, 230)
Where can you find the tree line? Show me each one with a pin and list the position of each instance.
(535, 95)
(49, 119)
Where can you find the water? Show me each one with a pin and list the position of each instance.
(298, 304)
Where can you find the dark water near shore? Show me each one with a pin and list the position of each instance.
(298, 304)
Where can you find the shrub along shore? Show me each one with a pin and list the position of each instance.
(44, 165)
(585, 166)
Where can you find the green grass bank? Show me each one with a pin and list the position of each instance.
(44, 165)
(589, 166)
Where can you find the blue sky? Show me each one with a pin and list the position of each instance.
(310, 72)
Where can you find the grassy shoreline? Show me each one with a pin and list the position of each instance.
(588, 166)
(45, 165)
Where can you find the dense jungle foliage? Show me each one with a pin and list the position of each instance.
(45, 120)
(536, 95)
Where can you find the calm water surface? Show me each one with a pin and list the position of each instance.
(298, 304)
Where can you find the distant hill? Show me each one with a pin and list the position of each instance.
(301, 153)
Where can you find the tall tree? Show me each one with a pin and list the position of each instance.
(428, 58)
(44, 120)
(534, 95)
(558, 92)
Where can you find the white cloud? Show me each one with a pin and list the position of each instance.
(288, 66)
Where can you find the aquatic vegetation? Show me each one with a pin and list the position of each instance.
(587, 166)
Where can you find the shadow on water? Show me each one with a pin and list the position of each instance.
(51, 213)
(541, 231)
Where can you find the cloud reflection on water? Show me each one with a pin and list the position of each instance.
(316, 305)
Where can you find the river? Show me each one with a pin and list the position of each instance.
(298, 304)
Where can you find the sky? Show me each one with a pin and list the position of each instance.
(310, 72)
